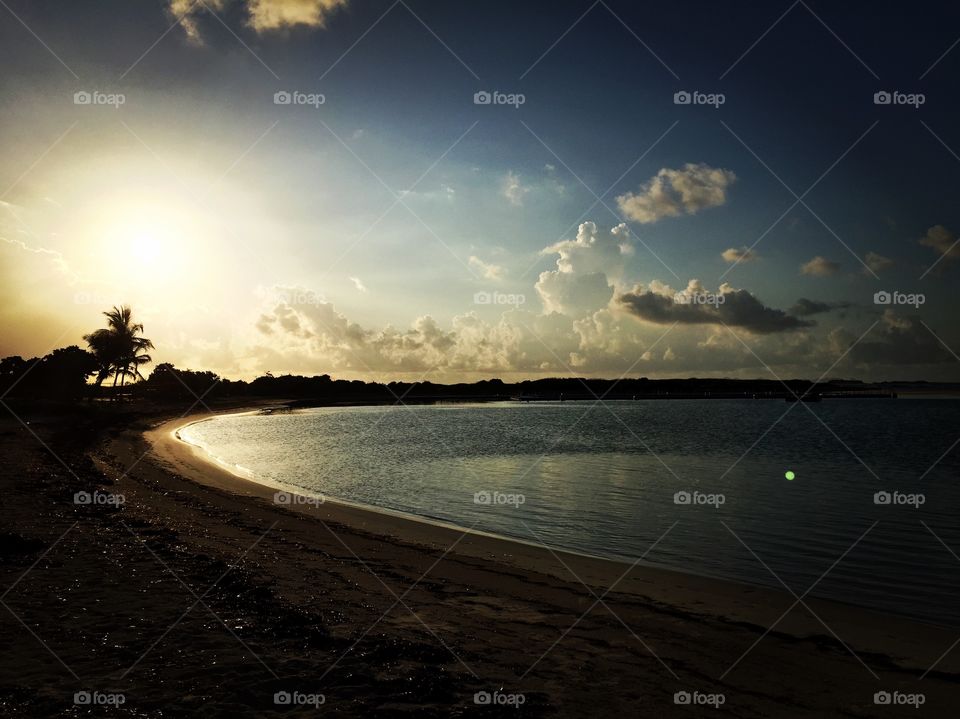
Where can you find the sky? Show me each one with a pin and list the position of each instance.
(454, 191)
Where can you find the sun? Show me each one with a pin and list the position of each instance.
(147, 239)
(146, 247)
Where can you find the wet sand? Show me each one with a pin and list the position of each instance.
(199, 593)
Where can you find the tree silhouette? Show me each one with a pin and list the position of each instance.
(119, 348)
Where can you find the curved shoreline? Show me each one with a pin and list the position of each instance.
(901, 639)
(300, 492)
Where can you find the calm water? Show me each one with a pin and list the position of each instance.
(602, 480)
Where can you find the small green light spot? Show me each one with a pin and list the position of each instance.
(790, 475)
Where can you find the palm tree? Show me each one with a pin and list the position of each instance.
(119, 346)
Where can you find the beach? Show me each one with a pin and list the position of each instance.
(199, 593)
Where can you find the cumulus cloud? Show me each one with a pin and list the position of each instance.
(820, 267)
(279, 14)
(805, 307)
(488, 270)
(314, 334)
(741, 254)
(877, 263)
(303, 333)
(586, 267)
(671, 193)
(734, 308)
(262, 15)
(942, 241)
(316, 329)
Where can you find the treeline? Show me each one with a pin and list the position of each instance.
(70, 373)
(62, 374)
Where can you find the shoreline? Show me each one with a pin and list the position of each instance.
(909, 640)
(197, 594)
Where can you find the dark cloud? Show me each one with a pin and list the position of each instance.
(805, 307)
(738, 308)
(900, 340)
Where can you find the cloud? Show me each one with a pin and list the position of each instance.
(185, 11)
(278, 14)
(820, 267)
(898, 340)
(300, 332)
(877, 263)
(513, 189)
(488, 270)
(671, 193)
(262, 15)
(586, 267)
(37, 290)
(942, 241)
(358, 284)
(805, 307)
(306, 335)
(316, 329)
(743, 254)
(738, 308)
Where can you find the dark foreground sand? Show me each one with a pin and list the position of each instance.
(201, 596)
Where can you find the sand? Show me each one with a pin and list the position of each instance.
(381, 612)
